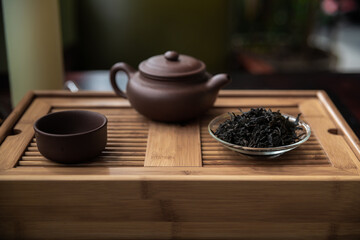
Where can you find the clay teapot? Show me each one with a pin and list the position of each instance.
(170, 87)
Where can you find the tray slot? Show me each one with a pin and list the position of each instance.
(17, 143)
(338, 151)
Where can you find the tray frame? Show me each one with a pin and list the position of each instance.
(180, 202)
(40, 102)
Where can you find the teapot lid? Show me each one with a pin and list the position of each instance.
(171, 65)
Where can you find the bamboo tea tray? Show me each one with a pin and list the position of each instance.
(173, 181)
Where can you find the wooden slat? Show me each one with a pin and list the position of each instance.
(126, 144)
(99, 158)
(128, 128)
(127, 124)
(173, 145)
(107, 149)
(268, 93)
(113, 144)
(180, 230)
(116, 139)
(210, 140)
(123, 153)
(86, 101)
(254, 159)
(235, 162)
(127, 135)
(207, 140)
(128, 131)
(222, 93)
(119, 111)
(213, 143)
(272, 102)
(218, 147)
(132, 149)
(127, 140)
(291, 153)
(106, 152)
(47, 163)
(206, 135)
(91, 230)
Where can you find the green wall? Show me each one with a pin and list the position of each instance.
(3, 61)
(102, 32)
(133, 30)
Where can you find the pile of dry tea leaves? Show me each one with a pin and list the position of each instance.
(259, 128)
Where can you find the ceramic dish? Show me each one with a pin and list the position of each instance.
(267, 152)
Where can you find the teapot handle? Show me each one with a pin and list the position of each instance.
(120, 66)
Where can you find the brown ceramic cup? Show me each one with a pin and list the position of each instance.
(71, 136)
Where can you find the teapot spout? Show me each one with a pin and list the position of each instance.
(218, 81)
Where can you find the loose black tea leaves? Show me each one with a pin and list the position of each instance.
(259, 128)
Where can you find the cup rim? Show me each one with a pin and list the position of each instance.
(104, 123)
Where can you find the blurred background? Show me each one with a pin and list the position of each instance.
(246, 38)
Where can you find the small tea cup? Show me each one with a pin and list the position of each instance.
(71, 136)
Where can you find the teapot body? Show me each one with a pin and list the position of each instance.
(169, 87)
(170, 101)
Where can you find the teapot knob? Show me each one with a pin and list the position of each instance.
(171, 55)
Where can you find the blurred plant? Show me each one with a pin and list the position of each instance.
(332, 15)
(333, 7)
(279, 23)
(274, 35)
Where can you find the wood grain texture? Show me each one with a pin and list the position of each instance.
(173, 145)
(178, 230)
(10, 121)
(309, 193)
(344, 128)
(268, 93)
(259, 101)
(335, 146)
(18, 142)
(195, 207)
(249, 190)
(100, 102)
(222, 93)
(186, 172)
